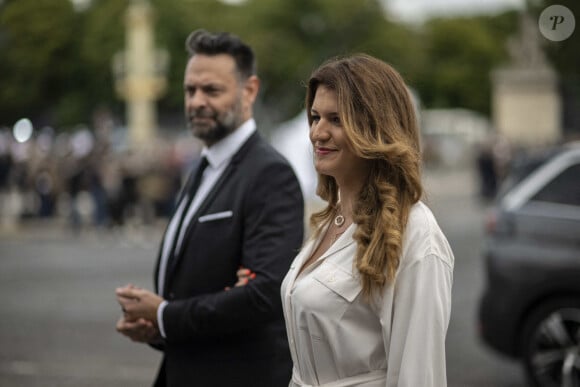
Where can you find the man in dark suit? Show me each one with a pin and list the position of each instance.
(241, 207)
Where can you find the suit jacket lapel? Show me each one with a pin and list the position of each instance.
(180, 196)
(220, 185)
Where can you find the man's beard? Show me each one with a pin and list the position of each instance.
(225, 123)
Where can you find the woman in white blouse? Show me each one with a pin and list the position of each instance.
(367, 300)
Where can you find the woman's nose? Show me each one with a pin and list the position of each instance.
(318, 131)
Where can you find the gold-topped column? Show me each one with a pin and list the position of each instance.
(140, 73)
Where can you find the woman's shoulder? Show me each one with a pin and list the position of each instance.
(424, 238)
(421, 218)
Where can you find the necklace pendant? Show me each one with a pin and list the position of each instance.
(339, 220)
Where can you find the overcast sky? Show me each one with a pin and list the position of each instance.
(415, 10)
(418, 10)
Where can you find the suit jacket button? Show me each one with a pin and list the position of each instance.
(171, 296)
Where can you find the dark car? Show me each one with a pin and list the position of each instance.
(530, 308)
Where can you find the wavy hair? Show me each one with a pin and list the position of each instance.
(378, 117)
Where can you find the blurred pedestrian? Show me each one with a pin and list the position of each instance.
(246, 208)
(487, 172)
(367, 301)
(6, 164)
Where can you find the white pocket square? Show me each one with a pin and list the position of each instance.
(215, 216)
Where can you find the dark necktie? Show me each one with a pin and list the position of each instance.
(189, 195)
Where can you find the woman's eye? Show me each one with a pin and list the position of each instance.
(336, 120)
(315, 118)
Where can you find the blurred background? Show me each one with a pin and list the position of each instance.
(93, 148)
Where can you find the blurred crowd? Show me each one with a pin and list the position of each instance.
(91, 178)
(87, 178)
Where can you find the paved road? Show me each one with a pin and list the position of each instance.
(453, 199)
(57, 306)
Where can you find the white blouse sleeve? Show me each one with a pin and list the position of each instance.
(415, 325)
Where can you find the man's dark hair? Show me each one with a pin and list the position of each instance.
(207, 43)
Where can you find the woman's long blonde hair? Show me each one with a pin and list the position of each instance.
(379, 121)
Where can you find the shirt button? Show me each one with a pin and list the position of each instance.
(331, 278)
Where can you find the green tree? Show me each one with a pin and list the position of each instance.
(565, 57)
(36, 50)
(103, 35)
(293, 37)
(565, 54)
(174, 21)
(460, 53)
(290, 39)
(59, 67)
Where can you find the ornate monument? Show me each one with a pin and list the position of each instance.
(526, 102)
(140, 74)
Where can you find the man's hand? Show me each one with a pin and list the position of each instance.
(138, 303)
(141, 331)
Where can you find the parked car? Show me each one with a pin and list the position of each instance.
(530, 308)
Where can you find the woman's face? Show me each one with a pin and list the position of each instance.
(333, 154)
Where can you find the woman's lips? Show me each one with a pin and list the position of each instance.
(324, 151)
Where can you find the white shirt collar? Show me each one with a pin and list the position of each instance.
(223, 150)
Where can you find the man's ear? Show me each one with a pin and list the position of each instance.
(251, 89)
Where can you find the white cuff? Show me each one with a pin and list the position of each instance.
(160, 310)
